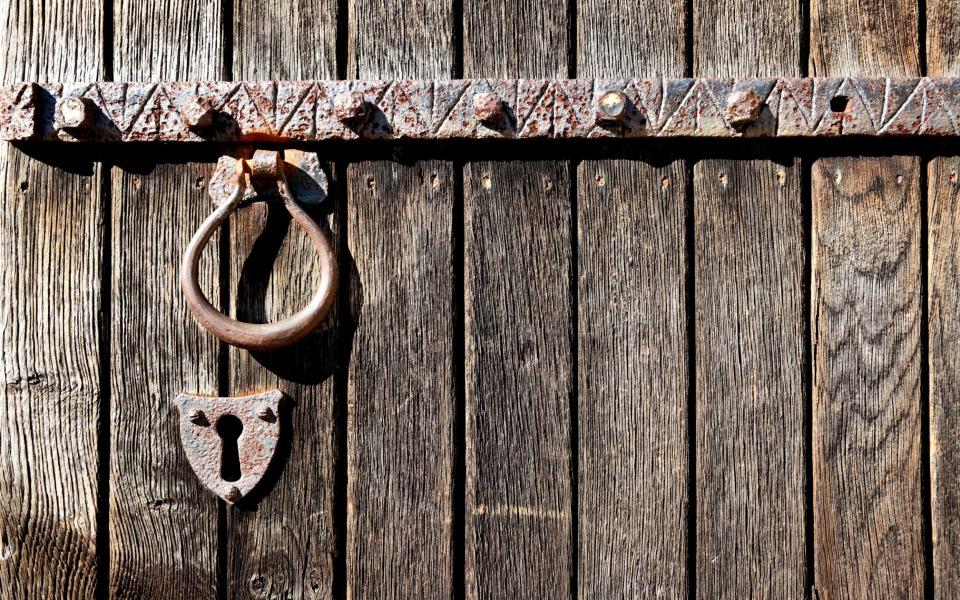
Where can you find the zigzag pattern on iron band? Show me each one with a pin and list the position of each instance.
(445, 109)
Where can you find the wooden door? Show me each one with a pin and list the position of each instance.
(553, 371)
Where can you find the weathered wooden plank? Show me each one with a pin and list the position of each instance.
(517, 261)
(400, 392)
(943, 214)
(866, 328)
(632, 373)
(742, 38)
(278, 39)
(51, 232)
(750, 386)
(943, 276)
(869, 38)
(163, 524)
(632, 380)
(749, 330)
(517, 254)
(943, 43)
(866, 353)
(285, 547)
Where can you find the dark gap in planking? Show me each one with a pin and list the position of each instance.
(341, 372)
(105, 317)
(572, 38)
(343, 37)
(102, 542)
(223, 353)
(458, 529)
(107, 47)
(806, 203)
(688, 38)
(226, 30)
(804, 69)
(922, 35)
(691, 400)
(574, 391)
(457, 39)
(926, 491)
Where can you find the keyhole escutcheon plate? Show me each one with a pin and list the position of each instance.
(255, 446)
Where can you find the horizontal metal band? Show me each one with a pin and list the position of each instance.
(302, 111)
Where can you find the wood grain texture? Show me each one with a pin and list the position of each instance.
(278, 39)
(632, 380)
(282, 544)
(632, 349)
(399, 39)
(401, 389)
(864, 38)
(943, 43)
(515, 38)
(51, 234)
(866, 394)
(750, 387)
(163, 524)
(745, 38)
(657, 26)
(167, 40)
(943, 215)
(517, 289)
(943, 278)
(517, 263)
(866, 326)
(749, 330)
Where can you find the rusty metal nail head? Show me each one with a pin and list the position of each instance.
(612, 107)
(265, 413)
(488, 107)
(198, 418)
(233, 494)
(74, 113)
(196, 115)
(743, 108)
(351, 107)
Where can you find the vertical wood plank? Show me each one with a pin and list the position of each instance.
(163, 524)
(51, 236)
(943, 211)
(400, 390)
(279, 39)
(283, 546)
(750, 388)
(517, 255)
(632, 374)
(943, 214)
(866, 328)
(748, 230)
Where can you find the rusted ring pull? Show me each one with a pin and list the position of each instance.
(259, 336)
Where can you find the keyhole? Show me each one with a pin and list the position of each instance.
(229, 428)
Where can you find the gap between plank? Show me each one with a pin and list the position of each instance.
(459, 475)
(102, 542)
(343, 344)
(574, 390)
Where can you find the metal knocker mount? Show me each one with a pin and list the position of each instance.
(294, 178)
(263, 177)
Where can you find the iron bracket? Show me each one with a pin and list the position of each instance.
(305, 111)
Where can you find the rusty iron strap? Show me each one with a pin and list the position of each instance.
(303, 111)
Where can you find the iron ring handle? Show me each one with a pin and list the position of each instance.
(259, 336)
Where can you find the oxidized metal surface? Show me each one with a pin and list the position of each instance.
(484, 108)
(256, 444)
(266, 174)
